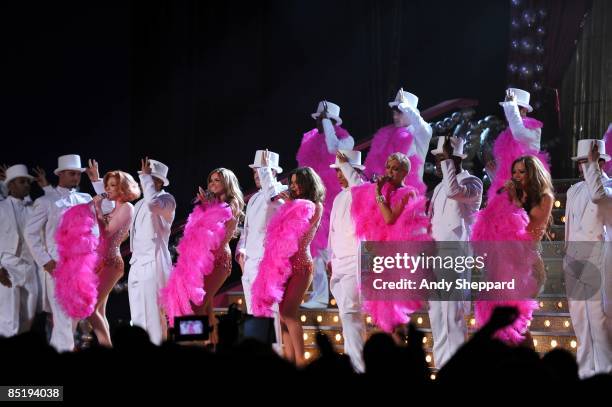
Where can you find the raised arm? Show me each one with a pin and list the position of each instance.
(529, 137)
(469, 191)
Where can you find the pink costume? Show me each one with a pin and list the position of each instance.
(286, 252)
(203, 249)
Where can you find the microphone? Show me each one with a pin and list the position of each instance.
(104, 195)
(517, 185)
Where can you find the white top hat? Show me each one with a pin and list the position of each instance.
(584, 146)
(16, 171)
(69, 162)
(456, 142)
(272, 158)
(333, 111)
(522, 98)
(411, 99)
(354, 158)
(158, 170)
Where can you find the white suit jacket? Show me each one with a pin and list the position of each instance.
(259, 211)
(588, 218)
(454, 203)
(42, 224)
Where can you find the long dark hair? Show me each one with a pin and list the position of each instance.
(310, 184)
(539, 182)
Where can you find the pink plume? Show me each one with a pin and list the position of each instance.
(313, 153)
(76, 282)
(202, 237)
(284, 231)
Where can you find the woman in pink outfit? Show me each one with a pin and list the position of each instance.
(121, 188)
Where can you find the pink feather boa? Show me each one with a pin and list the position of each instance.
(203, 235)
(608, 140)
(76, 282)
(389, 140)
(502, 221)
(506, 149)
(284, 231)
(412, 225)
(313, 153)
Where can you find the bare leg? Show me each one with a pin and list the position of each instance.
(289, 311)
(108, 278)
(212, 284)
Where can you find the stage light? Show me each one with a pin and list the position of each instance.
(472, 321)
(557, 204)
(303, 318)
(553, 343)
(535, 342)
(333, 301)
(566, 324)
(563, 218)
(369, 320)
(428, 358)
(432, 376)
(424, 340)
(306, 355)
(419, 320)
(547, 323)
(305, 336)
(239, 301)
(335, 318)
(338, 337)
(573, 344)
(319, 318)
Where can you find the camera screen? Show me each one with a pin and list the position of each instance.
(193, 327)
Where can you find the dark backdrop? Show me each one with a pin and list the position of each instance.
(199, 84)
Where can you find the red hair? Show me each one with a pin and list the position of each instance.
(130, 190)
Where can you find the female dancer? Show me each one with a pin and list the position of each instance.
(223, 187)
(121, 188)
(520, 212)
(204, 261)
(285, 271)
(390, 211)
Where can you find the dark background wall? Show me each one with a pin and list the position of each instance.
(200, 85)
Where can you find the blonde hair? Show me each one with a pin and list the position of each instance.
(233, 194)
(402, 159)
(128, 187)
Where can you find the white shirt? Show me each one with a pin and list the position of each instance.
(342, 241)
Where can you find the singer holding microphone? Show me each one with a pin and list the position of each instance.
(205, 259)
(121, 188)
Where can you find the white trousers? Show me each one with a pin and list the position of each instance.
(19, 304)
(594, 333)
(144, 283)
(320, 285)
(251, 267)
(62, 333)
(344, 285)
(448, 328)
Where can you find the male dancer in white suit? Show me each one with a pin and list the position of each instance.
(454, 202)
(40, 236)
(587, 265)
(344, 254)
(19, 279)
